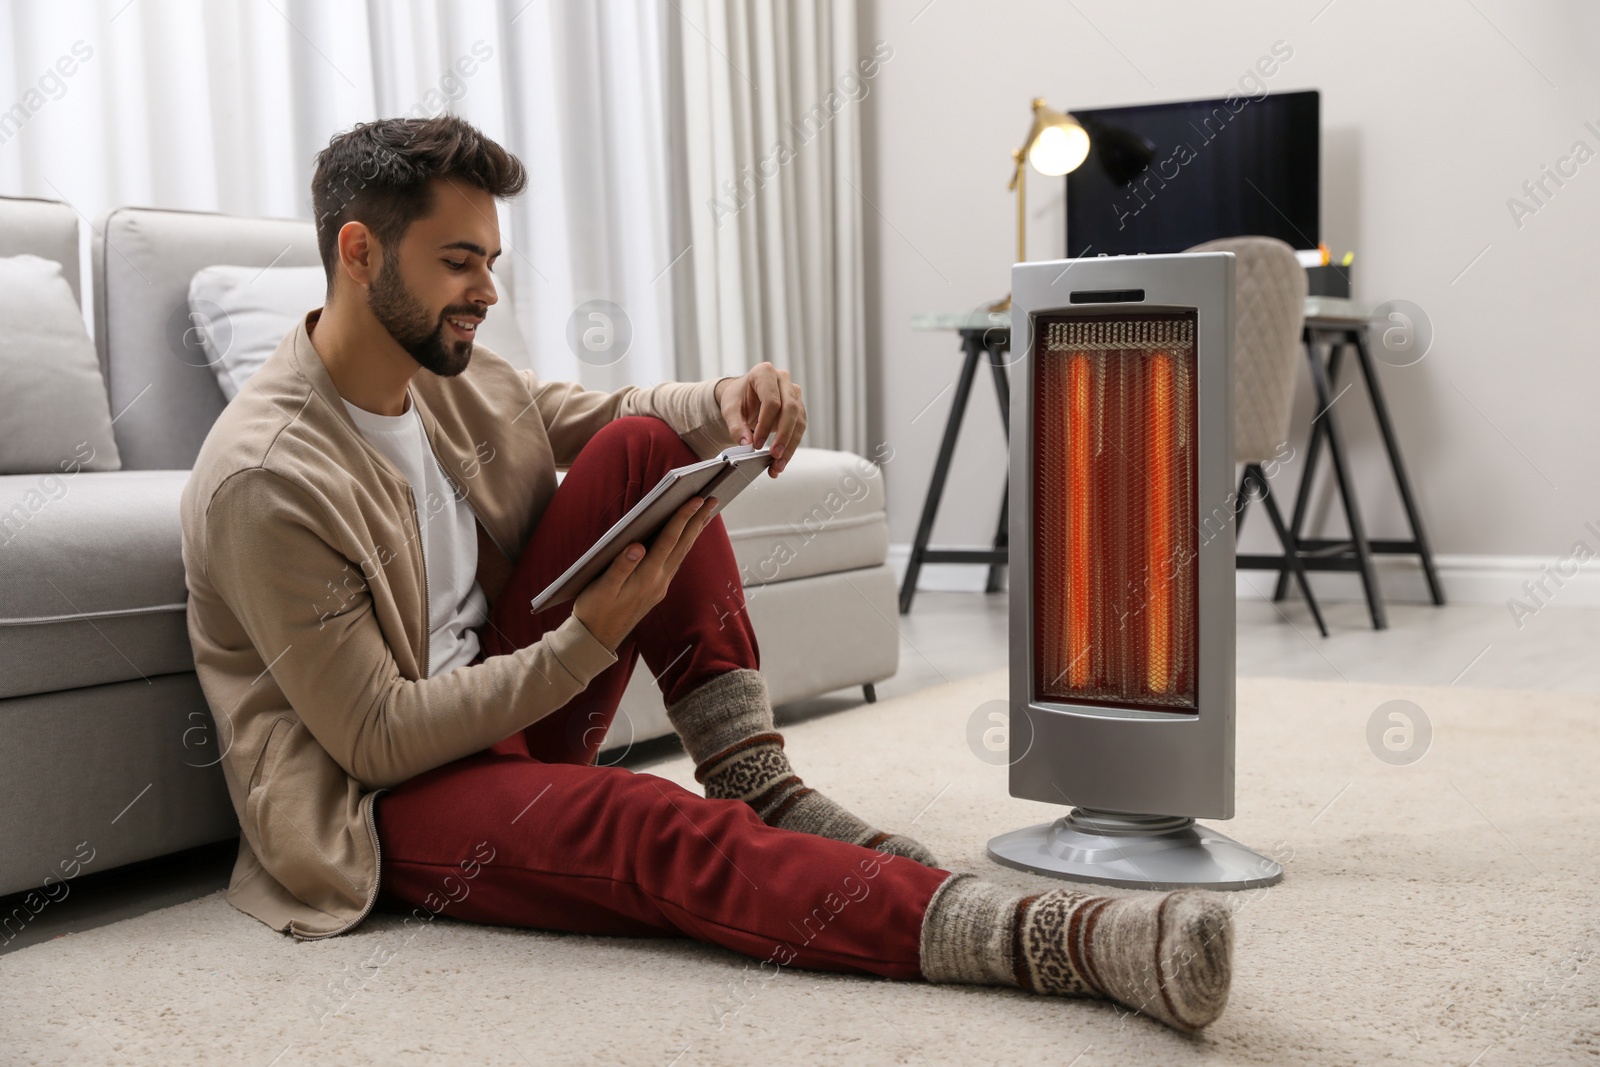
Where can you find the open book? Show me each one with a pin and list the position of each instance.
(723, 476)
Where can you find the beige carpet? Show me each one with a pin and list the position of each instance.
(1441, 912)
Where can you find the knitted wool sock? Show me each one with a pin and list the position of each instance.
(1167, 955)
(727, 728)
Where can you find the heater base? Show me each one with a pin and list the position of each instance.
(1138, 851)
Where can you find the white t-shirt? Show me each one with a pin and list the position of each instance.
(456, 603)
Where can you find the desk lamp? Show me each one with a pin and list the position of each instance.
(1056, 145)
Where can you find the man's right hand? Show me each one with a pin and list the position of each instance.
(612, 605)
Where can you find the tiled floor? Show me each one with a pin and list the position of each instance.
(955, 635)
(1476, 645)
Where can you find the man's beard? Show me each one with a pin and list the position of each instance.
(413, 328)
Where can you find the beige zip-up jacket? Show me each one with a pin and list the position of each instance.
(308, 604)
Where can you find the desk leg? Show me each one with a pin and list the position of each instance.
(1002, 540)
(1002, 536)
(973, 346)
(1347, 490)
(1381, 408)
(1308, 477)
(1291, 554)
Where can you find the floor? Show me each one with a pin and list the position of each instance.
(1430, 913)
(949, 636)
(953, 635)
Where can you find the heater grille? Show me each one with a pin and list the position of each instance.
(1115, 563)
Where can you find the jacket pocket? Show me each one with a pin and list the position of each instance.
(269, 751)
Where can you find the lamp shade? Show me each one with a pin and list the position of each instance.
(1057, 144)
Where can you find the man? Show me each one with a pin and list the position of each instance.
(364, 529)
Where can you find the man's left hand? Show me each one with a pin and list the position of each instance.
(764, 401)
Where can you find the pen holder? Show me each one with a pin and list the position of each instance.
(1329, 279)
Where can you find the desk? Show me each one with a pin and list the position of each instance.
(1336, 325)
(1332, 324)
(985, 335)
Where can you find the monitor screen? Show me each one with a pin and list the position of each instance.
(1165, 177)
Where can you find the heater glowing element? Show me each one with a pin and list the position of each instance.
(1158, 540)
(1079, 552)
(1114, 510)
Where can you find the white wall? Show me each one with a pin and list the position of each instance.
(1434, 114)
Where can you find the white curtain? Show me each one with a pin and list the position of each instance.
(590, 124)
(768, 213)
(222, 105)
(648, 127)
(183, 104)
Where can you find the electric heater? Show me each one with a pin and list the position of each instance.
(1122, 571)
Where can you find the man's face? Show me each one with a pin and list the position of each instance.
(435, 286)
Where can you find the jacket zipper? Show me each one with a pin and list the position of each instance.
(368, 803)
(451, 482)
(427, 613)
(427, 610)
(461, 495)
(371, 798)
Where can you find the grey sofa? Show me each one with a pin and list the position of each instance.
(105, 736)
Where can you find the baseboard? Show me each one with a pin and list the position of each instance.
(940, 577)
(1532, 581)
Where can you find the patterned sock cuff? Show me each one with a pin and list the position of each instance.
(721, 712)
(717, 763)
(967, 932)
(1052, 943)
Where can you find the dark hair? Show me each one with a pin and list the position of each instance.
(380, 173)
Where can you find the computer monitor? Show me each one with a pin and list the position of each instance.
(1166, 177)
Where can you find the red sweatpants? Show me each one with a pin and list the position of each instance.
(532, 833)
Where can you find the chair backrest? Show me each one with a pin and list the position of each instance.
(44, 228)
(1269, 313)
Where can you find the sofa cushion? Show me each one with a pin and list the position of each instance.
(54, 414)
(144, 262)
(144, 259)
(45, 228)
(824, 513)
(94, 589)
(240, 315)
